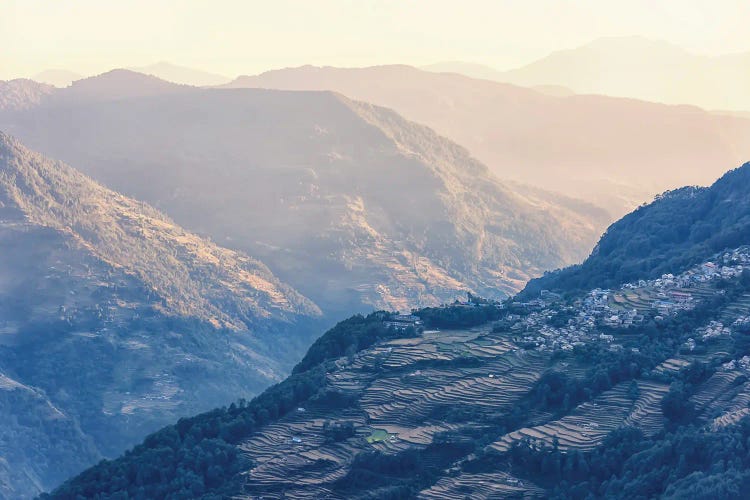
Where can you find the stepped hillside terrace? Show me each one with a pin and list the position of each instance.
(410, 391)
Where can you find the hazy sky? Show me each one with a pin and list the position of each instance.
(234, 37)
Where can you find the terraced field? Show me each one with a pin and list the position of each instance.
(639, 299)
(723, 399)
(399, 384)
(673, 365)
(401, 388)
(480, 486)
(588, 424)
(457, 384)
(738, 308)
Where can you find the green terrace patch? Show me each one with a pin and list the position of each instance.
(379, 435)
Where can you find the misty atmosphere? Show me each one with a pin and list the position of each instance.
(374, 249)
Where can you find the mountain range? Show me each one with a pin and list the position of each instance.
(613, 152)
(632, 66)
(349, 203)
(255, 212)
(639, 390)
(164, 70)
(115, 321)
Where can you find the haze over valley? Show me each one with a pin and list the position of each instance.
(374, 250)
(393, 214)
(616, 153)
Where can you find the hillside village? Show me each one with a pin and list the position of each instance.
(431, 384)
(592, 317)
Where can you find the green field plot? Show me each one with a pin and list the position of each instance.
(378, 435)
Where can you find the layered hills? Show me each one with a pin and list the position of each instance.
(350, 203)
(115, 321)
(638, 390)
(614, 152)
(642, 68)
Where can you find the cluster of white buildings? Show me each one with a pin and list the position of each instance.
(714, 329)
(596, 309)
(403, 321)
(738, 364)
(742, 324)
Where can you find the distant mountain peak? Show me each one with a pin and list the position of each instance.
(22, 94)
(640, 45)
(182, 74)
(643, 68)
(119, 83)
(121, 75)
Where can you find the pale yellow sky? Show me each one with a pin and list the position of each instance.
(234, 37)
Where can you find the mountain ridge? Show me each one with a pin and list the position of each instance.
(327, 200)
(37, 181)
(58, 77)
(182, 74)
(572, 144)
(115, 321)
(667, 73)
(646, 237)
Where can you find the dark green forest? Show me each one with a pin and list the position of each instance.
(654, 239)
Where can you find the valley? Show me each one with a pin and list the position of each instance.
(349, 203)
(326, 250)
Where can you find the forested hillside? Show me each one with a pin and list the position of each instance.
(114, 321)
(679, 228)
